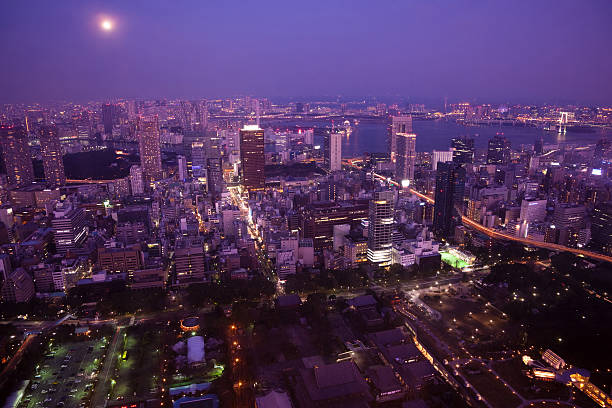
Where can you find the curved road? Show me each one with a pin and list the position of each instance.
(496, 234)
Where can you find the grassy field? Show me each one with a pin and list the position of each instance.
(137, 365)
(453, 260)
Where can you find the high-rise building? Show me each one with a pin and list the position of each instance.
(108, 113)
(399, 124)
(380, 227)
(17, 156)
(498, 151)
(214, 174)
(601, 227)
(538, 146)
(533, 210)
(332, 150)
(18, 288)
(440, 156)
(182, 167)
(406, 155)
(117, 260)
(52, 157)
(252, 158)
(69, 228)
(136, 180)
(198, 161)
(450, 186)
(569, 216)
(150, 149)
(189, 259)
(319, 218)
(463, 149)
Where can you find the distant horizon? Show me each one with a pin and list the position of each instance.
(367, 99)
(551, 51)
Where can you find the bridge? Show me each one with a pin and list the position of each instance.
(494, 233)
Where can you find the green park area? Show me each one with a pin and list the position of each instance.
(137, 363)
(453, 260)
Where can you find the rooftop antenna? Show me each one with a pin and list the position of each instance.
(257, 112)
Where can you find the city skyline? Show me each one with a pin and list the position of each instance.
(531, 53)
(184, 222)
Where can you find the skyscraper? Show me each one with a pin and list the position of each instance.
(108, 112)
(136, 180)
(69, 227)
(450, 186)
(332, 149)
(198, 161)
(150, 150)
(380, 227)
(538, 146)
(252, 157)
(440, 156)
(499, 150)
(52, 157)
(601, 227)
(406, 155)
(463, 149)
(399, 124)
(17, 156)
(182, 167)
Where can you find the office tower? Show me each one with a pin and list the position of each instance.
(52, 157)
(212, 144)
(202, 115)
(5, 267)
(136, 180)
(17, 156)
(498, 151)
(463, 149)
(440, 156)
(318, 220)
(601, 227)
(380, 227)
(328, 191)
(450, 186)
(406, 155)
(182, 167)
(18, 288)
(214, 174)
(538, 146)
(569, 216)
(118, 259)
(69, 228)
(198, 161)
(108, 113)
(150, 150)
(599, 153)
(332, 145)
(533, 210)
(189, 259)
(399, 124)
(252, 158)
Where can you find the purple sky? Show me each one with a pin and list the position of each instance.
(513, 50)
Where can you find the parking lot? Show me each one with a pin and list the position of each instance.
(66, 376)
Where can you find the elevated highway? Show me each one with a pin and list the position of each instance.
(497, 234)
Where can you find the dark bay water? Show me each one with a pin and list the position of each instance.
(372, 137)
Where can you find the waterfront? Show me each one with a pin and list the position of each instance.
(436, 134)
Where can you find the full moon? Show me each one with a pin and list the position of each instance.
(106, 25)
